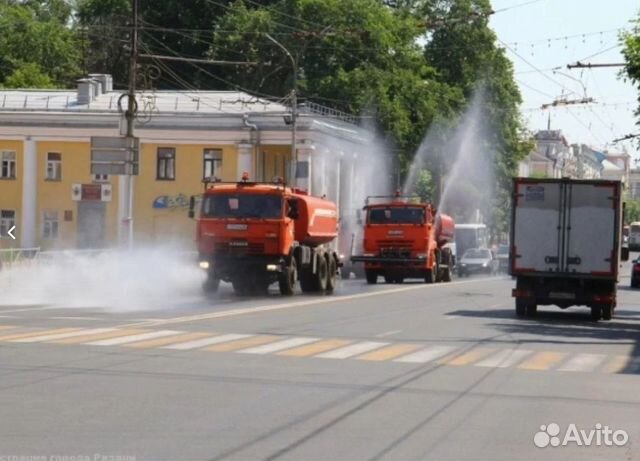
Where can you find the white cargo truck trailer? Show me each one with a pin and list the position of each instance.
(566, 244)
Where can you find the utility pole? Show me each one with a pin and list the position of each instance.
(294, 103)
(130, 115)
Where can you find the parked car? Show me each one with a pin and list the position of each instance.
(635, 273)
(502, 255)
(477, 261)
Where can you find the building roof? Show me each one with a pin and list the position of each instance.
(200, 102)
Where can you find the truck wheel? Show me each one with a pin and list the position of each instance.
(388, 278)
(211, 285)
(446, 274)
(531, 310)
(322, 274)
(607, 312)
(521, 308)
(430, 275)
(596, 312)
(332, 275)
(372, 276)
(287, 278)
(307, 280)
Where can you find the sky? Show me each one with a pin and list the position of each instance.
(543, 36)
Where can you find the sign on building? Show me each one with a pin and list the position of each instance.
(91, 192)
(114, 155)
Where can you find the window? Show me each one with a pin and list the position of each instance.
(100, 178)
(166, 163)
(8, 166)
(7, 221)
(50, 226)
(212, 163)
(54, 166)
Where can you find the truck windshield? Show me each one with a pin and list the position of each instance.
(242, 206)
(399, 215)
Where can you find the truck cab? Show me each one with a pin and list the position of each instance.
(402, 239)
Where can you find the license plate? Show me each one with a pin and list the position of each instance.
(560, 295)
(238, 243)
(236, 227)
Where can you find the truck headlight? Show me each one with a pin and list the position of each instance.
(485, 264)
(204, 265)
(421, 256)
(272, 267)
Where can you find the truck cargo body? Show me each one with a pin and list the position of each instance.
(565, 244)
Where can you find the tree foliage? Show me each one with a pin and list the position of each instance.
(631, 53)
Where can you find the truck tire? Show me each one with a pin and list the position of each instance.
(287, 278)
(521, 308)
(332, 274)
(430, 275)
(596, 312)
(372, 276)
(322, 274)
(307, 279)
(211, 284)
(607, 311)
(446, 274)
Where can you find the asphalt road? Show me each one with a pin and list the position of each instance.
(389, 372)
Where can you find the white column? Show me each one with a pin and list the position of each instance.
(29, 218)
(245, 160)
(123, 225)
(306, 150)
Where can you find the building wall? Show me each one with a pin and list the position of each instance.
(11, 189)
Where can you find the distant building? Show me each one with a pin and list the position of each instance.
(634, 184)
(551, 158)
(617, 165)
(589, 161)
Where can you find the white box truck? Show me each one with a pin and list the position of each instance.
(566, 244)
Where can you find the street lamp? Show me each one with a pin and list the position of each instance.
(294, 99)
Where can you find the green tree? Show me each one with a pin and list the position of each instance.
(28, 75)
(37, 39)
(631, 53)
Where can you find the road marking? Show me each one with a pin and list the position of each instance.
(132, 338)
(352, 350)
(244, 343)
(426, 355)
(94, 337)
(6, 327)
(388, 333)
(389, 352)
(618, 364)
(170, 340)
(279, 345)
(315, 348)
(313, 302)
(583, 362)
(467, 358)
(36, 333)
(93, 319)
(198, 343)
(542, 361)
(71, 334)
(504, 359)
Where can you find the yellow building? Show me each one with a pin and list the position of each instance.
(47, 190)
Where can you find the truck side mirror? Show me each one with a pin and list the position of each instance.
(294, 212)
(192, 205)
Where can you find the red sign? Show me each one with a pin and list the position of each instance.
(91, 192)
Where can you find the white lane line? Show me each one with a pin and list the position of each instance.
(134, 338)
(198, 343)
(426, 355)
(504, 359)
(583, 362)
(352, 350)
(55, 336)
(388, 333)
(279, 345)
(313, 302)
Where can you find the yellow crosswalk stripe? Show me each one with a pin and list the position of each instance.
(167, 340)
(36, 333)
(467, 358)
(617, 364)
(98, 336)
(389, 352)
(244, 343)
(542, 361)
(315, 348)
